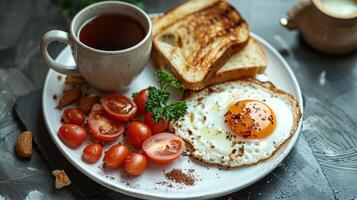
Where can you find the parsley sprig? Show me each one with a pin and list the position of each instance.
(158, 99)
(166, 79)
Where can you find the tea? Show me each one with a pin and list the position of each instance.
(111, 32)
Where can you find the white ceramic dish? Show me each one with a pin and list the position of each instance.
(211, 181)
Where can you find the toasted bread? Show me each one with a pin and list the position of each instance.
(196, 38)
(245, 63)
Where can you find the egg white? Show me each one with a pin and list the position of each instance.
(211, 139)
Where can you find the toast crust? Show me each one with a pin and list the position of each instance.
(234, 75)
(194, 6)
(267, 85)
(225, 74)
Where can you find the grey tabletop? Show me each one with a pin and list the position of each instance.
(322, 164)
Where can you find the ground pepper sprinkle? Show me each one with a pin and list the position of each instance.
(178, 176)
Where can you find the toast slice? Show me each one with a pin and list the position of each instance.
(196, 38)
(245, 63)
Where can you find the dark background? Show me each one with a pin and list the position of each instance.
(323, 163)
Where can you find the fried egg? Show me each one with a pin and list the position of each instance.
(237, 123)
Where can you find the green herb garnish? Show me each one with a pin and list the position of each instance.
(158, 99)
(134, 95)
(166, 79)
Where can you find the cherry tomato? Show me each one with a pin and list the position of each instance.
(92, 153)
(119, 107)
(163, 147)
(73, 116)
(141, 98)
(103, 128)
(135, 164)
(115, 156)
(137, 133)
(72, 135)
(156, 127)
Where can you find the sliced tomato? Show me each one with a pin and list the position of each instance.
(103, 128)
(141, 98)
(156, 127)
(96, 107)
(163, 147)
(119, 107)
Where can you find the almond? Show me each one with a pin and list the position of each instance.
(69, 97)
(62, 179)
(85, 103)
(74, 80)
(24, 144)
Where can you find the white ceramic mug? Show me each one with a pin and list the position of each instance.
(106, 70)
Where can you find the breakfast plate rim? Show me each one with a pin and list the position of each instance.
(151, 195)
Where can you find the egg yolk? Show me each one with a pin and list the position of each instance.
(250, 119)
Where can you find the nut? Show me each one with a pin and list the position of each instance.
(62, 179)
(24, 144)
(69, 96)
(74, 80)
(86, 103)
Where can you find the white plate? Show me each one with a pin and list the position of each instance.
(211, 181)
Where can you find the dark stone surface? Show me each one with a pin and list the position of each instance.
(322, 165)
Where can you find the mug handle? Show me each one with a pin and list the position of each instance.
(56, 36)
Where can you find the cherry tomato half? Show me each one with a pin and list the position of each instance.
(156, 127)
(141, 98)
(135, 164)
(73, 116)
(103, 128)
(72, 135)
(119, 107)
(115, 156)
(163, 147)
(92, 153)
(137, 133)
